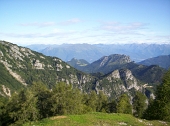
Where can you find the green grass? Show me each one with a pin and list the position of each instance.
(96, 119)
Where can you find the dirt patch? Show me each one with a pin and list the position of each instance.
(122, 123)
(58, 117)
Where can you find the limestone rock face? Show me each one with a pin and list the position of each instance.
(6, 91)
(1, 54)
(129, 80)
(115, 58)
(118, 82)
(104, 60)
(38, 65)
(59, 67)
(114, 75)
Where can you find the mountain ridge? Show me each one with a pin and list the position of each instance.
(92, 52)
(162, 61)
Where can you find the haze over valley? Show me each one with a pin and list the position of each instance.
(92, 52)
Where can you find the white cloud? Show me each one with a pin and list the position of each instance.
(38, 35)
(105, 32)
(120, 28)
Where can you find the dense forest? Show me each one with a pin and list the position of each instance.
(37, 102)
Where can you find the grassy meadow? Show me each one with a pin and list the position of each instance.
(96, 119)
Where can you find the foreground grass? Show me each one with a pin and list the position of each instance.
(96, 119)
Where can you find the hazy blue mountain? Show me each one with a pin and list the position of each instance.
(79, 51)
(162, 61)
(92, 52)
(38, 47)
(77, 63)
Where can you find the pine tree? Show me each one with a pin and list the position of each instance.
(43, 95)
(123, 105)
(111, 107)
(22, 107)
(160, 107)
(2, 110)
(139, 104)
(66, 100)
(101, 102)
(92, 101)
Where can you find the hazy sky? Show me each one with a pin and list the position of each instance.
(27, 22)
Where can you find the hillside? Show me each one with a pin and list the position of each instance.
(96, 119)
(162, 61)
(92, 52)
(22, 66)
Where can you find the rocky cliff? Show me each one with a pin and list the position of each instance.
(118, 82)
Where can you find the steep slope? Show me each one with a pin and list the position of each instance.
(162, 61)
(21, 67)
(7, 82)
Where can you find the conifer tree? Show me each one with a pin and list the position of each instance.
(139, 104)
(92, 101)
(66, 100)
(101, 102)
(160, 107)
(22, 107)
(111, 107)
(123, 105)
(43, 98)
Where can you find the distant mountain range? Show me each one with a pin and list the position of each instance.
(91, 53)
(162, 61)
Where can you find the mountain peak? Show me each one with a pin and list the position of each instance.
(114, 59)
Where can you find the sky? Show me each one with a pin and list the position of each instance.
(26, 22)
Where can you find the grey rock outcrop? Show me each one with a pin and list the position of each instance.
(118, 82)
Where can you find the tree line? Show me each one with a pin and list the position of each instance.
(37, 102)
